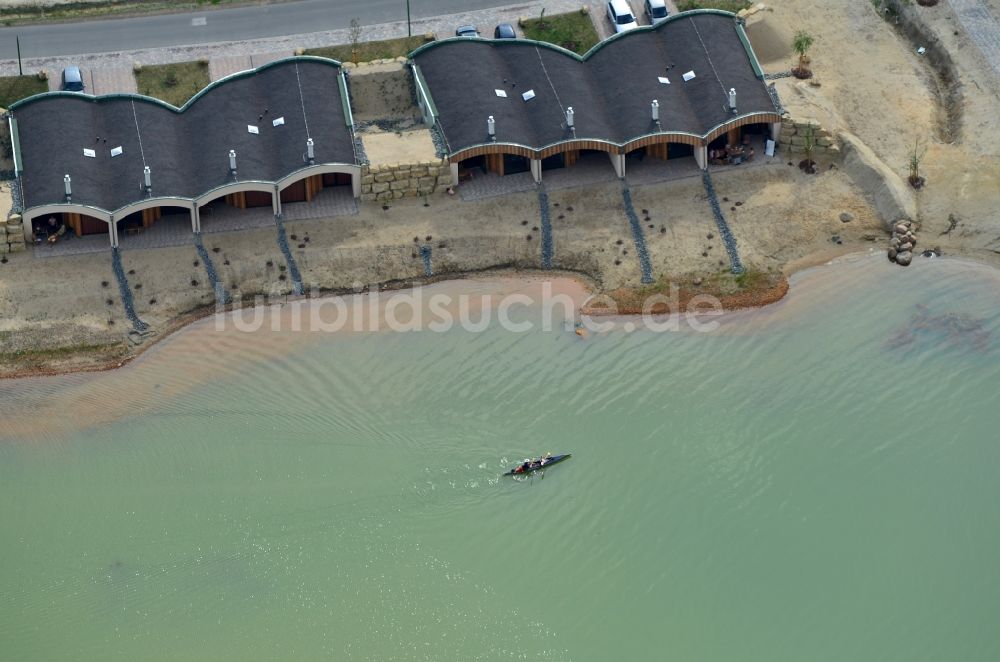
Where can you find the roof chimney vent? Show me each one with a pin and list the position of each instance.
(732, 99)
(655, 107)
(569, 118)
(232, 162)
(147, 178)
(68, 183)
(491, 127)
(310, 152)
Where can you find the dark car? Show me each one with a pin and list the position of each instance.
(504, 31)
(72, 79)
(467, 31)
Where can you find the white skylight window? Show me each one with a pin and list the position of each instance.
(89, 153)
(664, 80)
(278, 121)
(116, 151)
(529, 95)
(688, 76)
(252, 129)
(501, 93)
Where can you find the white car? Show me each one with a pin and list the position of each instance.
(620, 14)
(656, 11)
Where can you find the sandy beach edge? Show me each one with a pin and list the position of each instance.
(773, 289)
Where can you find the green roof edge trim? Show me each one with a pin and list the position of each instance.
(345, 100)
(582, 58)
(153, 100)
(422, 86)
(15, 143)
(754, 63)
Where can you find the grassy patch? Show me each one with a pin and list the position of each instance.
(81, 9)
(370, 50)
(15, 88)
(173, 83)
(33, 359)
(573, 31)
(727, 5)
(753, 287)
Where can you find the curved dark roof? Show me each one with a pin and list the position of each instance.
(610, 89)
(186, 149)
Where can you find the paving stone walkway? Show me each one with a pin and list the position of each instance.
(642, 171)
(484, 185)
(91, 243)
(983, 28)
(112, 80)
(175, 229)
(589, 170)
(329, 203)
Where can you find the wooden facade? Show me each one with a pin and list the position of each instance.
(573, 146)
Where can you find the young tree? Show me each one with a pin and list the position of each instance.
(916, 156)
(809, 146)
(801, 44)
(354, 34)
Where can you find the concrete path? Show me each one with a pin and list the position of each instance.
(983, 28)
(220, 67)
(112, 80)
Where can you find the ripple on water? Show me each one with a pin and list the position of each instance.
(341, 496)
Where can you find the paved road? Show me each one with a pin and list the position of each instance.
(298, 17)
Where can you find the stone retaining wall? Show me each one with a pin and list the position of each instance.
(11, 235)
(404, 180)
(794, 133)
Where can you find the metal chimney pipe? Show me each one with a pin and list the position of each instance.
(732, 99)
(232, 160)
(310, 152)
(656, 110)
(68, 183)
(491, 127)
(147, 178)
(569, 117)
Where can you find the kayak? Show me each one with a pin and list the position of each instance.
(536, 465)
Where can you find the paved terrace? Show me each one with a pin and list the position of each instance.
(596, 169)
(174, 229)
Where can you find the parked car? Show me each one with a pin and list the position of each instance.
(72, 79)
(466, 31)
(504, 31)
(620, 14)
(656, 11)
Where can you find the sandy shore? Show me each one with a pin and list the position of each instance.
(63, 315)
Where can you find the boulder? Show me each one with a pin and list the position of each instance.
(894, 242)
(905, 247)
(904, 258)
(892, 254)
(901, 228)
(846, 217)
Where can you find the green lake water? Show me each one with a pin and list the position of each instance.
(792, 486)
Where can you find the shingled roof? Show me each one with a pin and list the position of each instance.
(610, 89)
(186, 149)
